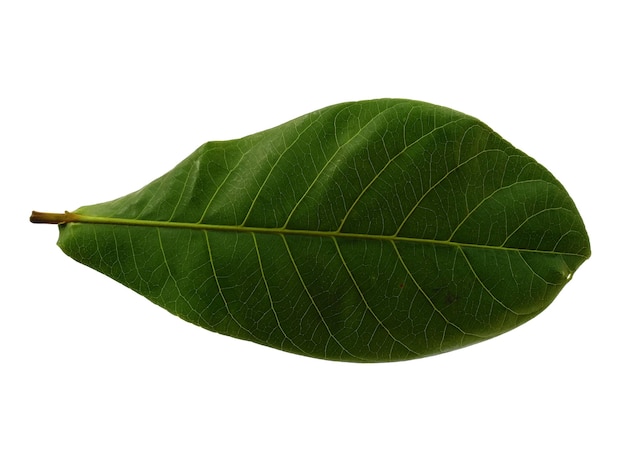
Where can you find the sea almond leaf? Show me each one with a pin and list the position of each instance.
(371, 231)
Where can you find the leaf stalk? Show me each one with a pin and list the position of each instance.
(52, 218)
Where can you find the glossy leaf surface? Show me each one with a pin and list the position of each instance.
(379, 230)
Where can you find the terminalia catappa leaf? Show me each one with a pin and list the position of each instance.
(370, 231)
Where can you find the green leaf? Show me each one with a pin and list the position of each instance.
(379, 230)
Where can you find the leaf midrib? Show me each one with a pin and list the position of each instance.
(87, 219)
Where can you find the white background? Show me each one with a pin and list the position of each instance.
(99, 98)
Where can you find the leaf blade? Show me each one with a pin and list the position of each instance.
(370, 231)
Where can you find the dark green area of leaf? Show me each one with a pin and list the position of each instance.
(379, 230)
